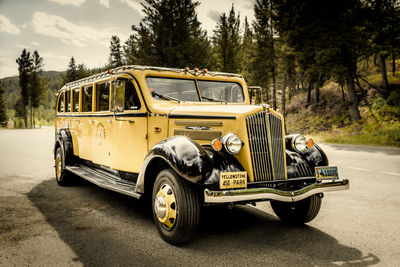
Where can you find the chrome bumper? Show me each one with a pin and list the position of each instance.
(257, 194)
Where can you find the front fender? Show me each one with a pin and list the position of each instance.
(64, 140)
(183, 155)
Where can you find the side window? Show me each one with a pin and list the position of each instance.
(103, 96)
(132, 101)
(61, 102)
(68, 100)
(87, 99)
(75, 100)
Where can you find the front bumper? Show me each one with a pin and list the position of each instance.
(258, 194)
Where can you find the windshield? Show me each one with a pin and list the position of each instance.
(184, 90)
(221, 91)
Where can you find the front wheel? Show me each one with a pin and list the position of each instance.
(176, 207)
(299, 212)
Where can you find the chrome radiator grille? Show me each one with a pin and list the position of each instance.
(266, 146)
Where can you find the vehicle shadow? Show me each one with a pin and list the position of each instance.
(105, 228)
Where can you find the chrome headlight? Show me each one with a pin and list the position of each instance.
(299, 143)
(232, 143)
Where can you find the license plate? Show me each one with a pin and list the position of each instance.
(326, 172)
(229, 180)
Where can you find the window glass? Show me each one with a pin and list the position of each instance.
(61, 103)
(221, 91)
(87, 99)
(75, 100)
(68, 100)
(161, 88)
(103, 96)
(132, 101)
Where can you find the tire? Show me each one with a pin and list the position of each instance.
(176, 207)
(63, 177)
(299, 212)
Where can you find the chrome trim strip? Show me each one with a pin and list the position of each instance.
(254, 194)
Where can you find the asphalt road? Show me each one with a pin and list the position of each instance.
(42, 224)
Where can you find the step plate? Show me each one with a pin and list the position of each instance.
(105, 181)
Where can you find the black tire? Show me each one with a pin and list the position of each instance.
(182, 207)
(63, 177)
(299, 212)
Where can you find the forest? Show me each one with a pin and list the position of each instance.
(330, 67)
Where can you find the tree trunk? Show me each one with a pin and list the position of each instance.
(343, 99)
(273, 91)
(385, 83)
(393, 63)
(309, 95)
(316, 89)
(353, 109)
(25, 117)
(31, 114)
(283, 99)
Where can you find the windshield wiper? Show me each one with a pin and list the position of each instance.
(165, 97)
(214, 100)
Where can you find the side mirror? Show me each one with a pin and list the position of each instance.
(118, 87)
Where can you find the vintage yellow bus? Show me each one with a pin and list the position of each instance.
(185, 138)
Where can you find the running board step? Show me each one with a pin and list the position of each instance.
(107, 181)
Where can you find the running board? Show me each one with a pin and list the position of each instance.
(105, 180)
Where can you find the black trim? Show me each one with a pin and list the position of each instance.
(142, 114)
(185, 116)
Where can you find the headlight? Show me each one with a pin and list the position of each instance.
(300, 143)
(232, 143)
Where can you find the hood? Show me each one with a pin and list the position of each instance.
(215, 110)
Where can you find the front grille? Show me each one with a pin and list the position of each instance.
(266, 146)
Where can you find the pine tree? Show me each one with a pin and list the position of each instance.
(35, 84)
(226, 42)
(115, 59)
(3, 107)
(71, 73)
(170, 35)
(247, 51)
(24, 68)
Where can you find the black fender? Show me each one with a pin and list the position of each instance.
(297, 161)
(64, 140)
(222, 162)
(186, 157)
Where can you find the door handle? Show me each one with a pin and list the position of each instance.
(131, 121)
(91, 121)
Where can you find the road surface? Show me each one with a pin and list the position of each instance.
(42, 224)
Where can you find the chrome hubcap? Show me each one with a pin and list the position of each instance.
(58, 166)
(160, 207)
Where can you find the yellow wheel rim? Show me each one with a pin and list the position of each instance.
(58, 165)
(165, 206)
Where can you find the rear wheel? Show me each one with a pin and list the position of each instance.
(176, 207)
(63, 177)
(299, 212)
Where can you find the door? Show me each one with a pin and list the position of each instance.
(85, 122)
(128, 140)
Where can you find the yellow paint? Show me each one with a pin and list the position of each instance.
(122, 143)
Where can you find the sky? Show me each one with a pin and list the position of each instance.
(60, 29)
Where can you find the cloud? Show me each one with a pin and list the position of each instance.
(22, 46)
(134, 5)
(7, 26)
(68, 32)
(69, 2)
(35, 44)
(214, 15)
(105, 3)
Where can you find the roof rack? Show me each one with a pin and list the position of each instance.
(110, 72)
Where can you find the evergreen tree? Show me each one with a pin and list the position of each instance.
(171, 35)
(3, 107)
(71, 73)
(115, 59)
(35, 84)
(226, 42)
(247, 51)
(24, 68)
(264, 58)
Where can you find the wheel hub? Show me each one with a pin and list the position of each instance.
(165, 206)
(58, 166)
